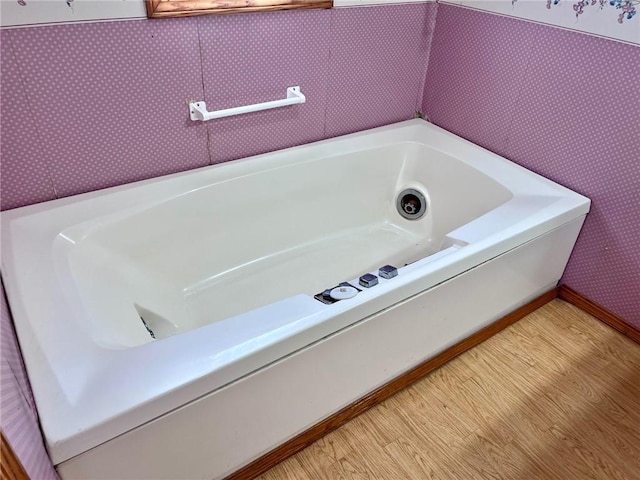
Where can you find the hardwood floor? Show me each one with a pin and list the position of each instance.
(555, 396)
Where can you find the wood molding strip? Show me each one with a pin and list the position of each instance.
(10, 466)
(306, 438)
(185, 8)
(568, 294)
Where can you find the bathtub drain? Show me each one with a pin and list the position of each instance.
(411, 204)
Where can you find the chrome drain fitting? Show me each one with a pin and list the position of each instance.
(411, 204)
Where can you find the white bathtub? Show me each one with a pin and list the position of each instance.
(223, 264)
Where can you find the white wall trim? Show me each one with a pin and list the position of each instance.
(596, 22)
(592, 22)
(46, 12)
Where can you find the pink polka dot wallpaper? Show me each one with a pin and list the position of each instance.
(24, 174)
(93, 105)
(107, 101)
(18, 413)
(369, 79)
(248, 59)
(562, 104)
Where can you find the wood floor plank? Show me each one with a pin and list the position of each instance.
(290, 469)
(446, 418)
(428, 451)
(590, 359)
(369, 461)
(598, 463)
(595, 387)
(452, 376)
(623, 433)
(554, 396)
(478, 402)
(350, 467)
(416, 461)
(580, 329)
(316, 458)
(501, 460)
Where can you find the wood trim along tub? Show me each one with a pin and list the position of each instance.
(10, 466)
(303, 440)
(186, 8)
(568, 294)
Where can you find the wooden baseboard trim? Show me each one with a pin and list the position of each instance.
(10, 466)
(303, 440)
(568, 294)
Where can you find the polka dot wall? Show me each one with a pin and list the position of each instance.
(564, 105)
(17, 407)
(108, 100)
(370, 81)
(473, 85)
(355, 66)
(106, 112)
(249, 59)
(24, 174)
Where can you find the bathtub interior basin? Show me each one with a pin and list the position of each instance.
(134, 301)
(243, 243)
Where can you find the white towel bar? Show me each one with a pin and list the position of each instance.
(198, 110)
